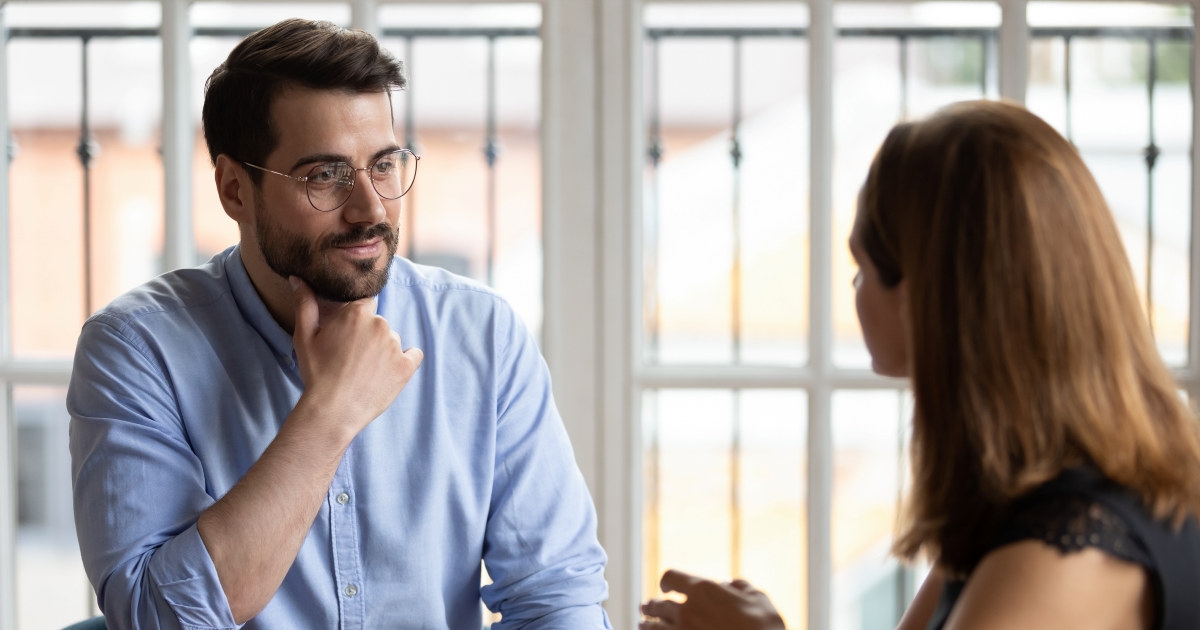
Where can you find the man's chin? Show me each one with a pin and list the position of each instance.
(348, 290)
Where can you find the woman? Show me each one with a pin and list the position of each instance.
(1056, 471)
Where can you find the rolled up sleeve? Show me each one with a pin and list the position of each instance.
(541, 546)
(138, 489)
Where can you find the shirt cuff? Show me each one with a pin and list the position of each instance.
(186, 578)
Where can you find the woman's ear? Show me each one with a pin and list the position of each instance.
(234, 189)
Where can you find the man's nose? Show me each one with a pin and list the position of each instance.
(364, 205)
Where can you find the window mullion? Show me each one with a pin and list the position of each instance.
(1014, 50)
(8, 428)
(820, 438)
(177, 136)
(1193, 343)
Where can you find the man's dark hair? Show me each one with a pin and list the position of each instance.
(295, 52)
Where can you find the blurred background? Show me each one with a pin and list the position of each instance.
(726, 418)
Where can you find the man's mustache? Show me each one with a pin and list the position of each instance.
(362, 235)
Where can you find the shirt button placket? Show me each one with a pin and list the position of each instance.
(347, 563)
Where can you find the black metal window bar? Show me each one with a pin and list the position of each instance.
(87, 148)
(903, 37)
(491, 148)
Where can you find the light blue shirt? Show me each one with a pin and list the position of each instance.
(179, 386)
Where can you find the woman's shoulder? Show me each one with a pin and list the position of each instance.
(1081, 509)
(1087, 544)
(1028, 584)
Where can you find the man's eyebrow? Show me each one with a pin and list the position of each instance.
(384, 151)
(319, 158)
(322, 158)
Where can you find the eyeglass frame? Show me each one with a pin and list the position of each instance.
(353, 180)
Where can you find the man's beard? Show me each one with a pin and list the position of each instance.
(289, 254)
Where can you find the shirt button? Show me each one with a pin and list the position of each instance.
(351, 590)
(343, 498)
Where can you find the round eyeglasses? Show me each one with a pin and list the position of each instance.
(329, 184)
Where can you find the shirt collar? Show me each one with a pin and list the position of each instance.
(254, 310)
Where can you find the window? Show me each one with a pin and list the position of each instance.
(662, 188)
(87, 213)
(746, 277)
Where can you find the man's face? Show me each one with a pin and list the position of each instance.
(290, 253)
(343, 254)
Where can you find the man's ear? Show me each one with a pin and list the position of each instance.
(234, 189)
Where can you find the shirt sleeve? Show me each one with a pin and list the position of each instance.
(541, 549)
(138, 488)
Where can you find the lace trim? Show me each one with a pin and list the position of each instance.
(1074, 523)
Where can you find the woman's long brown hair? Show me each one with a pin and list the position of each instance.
(1029, 350)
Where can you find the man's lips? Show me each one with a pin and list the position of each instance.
(362, 248)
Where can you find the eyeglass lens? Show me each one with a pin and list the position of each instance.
(330, 184)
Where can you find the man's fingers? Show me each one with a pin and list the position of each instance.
(678, 581)
(415, 355)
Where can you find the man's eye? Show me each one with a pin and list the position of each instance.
(383, 167)
(326, 174)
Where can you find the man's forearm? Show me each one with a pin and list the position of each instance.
(254, 532)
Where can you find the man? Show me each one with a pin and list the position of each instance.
(251, 442)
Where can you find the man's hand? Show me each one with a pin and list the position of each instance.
(351, 360)
(352, 367)
(732, 605)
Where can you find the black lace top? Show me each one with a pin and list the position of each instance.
(1080, 509)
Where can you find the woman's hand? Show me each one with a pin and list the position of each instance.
(710, 605)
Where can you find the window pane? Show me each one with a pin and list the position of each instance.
(214, 231)
(1135, 66)
(899, 68)
(82, 14)
(52, 223)
(476, 206)
(870, 464)
(726, 233)
(52, 590)
(725, 490)
(256, 15)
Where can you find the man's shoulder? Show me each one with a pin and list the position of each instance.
(171, 292)
(407, 275)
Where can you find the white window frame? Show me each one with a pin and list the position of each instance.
(592, 156)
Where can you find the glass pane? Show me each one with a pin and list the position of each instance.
(214, 230)
(82, 14)
(870, 466)
(1080, 85)
(121, 220)
(52, 590)
(726, 266)
(476, 206)
(1124, 14)
(882, 75)
(483, 15)
(725, 490)
(255, 15)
